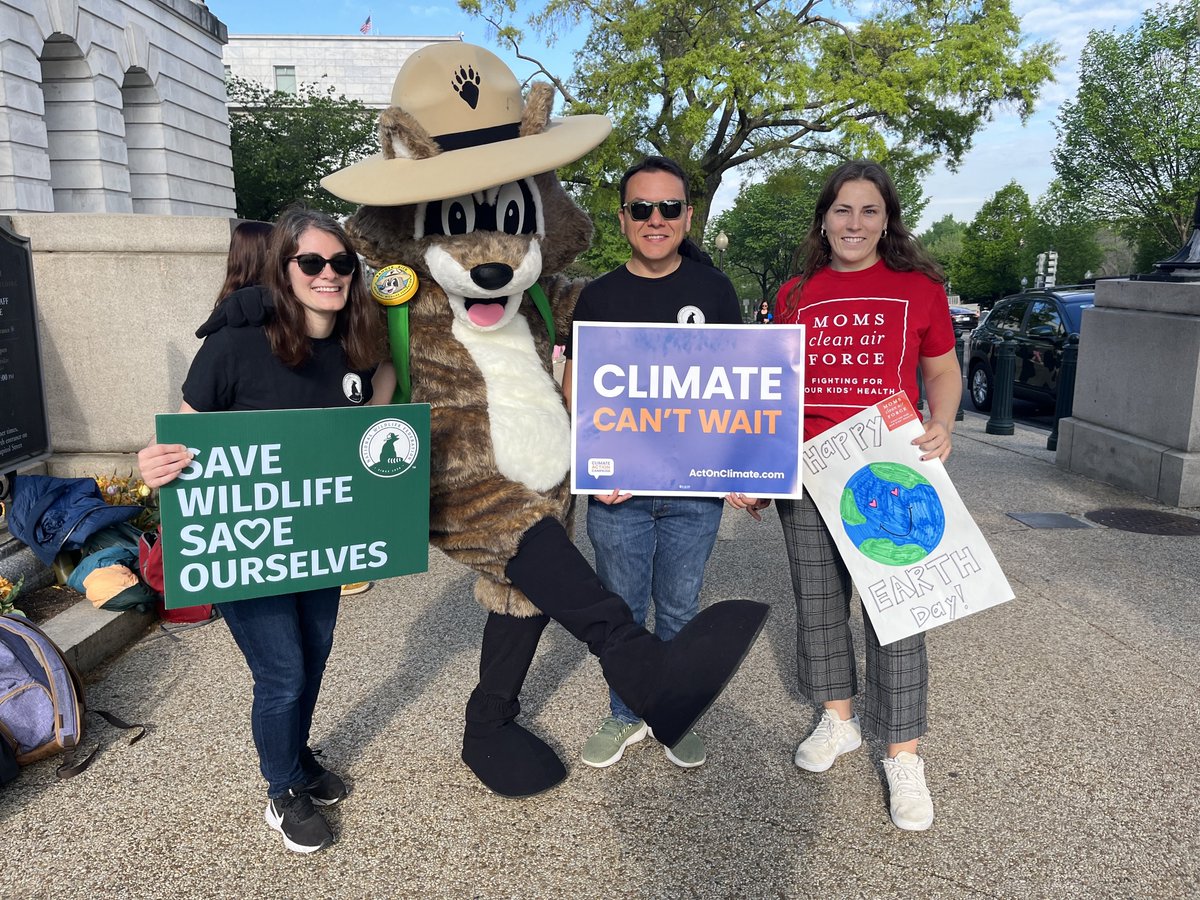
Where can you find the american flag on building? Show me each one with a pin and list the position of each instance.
(365, 28)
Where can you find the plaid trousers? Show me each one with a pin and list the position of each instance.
(894, 706)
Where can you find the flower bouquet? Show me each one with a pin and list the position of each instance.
(8, 595)
(129, 490)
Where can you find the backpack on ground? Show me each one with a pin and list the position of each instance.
(42, 698)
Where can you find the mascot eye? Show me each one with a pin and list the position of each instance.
(512, 214)
(458, 215)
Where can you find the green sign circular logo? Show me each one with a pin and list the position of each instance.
(389, 448)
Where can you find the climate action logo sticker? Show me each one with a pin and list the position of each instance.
(389, 448)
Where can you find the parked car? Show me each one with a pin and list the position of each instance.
(1040, 322)
(965, 319)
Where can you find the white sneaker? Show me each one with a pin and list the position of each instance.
(912, 807)
(830, 739)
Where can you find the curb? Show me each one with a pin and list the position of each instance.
(88, 636)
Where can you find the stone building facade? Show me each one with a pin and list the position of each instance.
(113, 106)
(362, 67)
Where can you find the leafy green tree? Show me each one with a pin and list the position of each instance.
(764, 225)
(1067, 228)
(994, 252)
(284, 144)
(1129, 144)
(944, 241)
(724, 83)
(1117, 255)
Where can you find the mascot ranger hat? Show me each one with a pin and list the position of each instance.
(469, 102)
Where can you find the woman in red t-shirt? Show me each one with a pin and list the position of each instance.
(875, 309)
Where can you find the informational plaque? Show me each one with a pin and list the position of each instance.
(24, 433)
(294, 500)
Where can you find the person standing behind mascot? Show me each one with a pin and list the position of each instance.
(864, 283)
(463, 203)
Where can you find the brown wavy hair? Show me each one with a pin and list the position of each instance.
(899, 250)
(247, 257)
(358, 325)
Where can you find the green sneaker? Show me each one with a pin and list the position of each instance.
(688, 753)
(608, 744)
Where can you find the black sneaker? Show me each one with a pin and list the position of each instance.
(326, 789)
(304, 829)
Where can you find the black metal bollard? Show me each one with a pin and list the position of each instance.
(1065, 401)
(1001, 420)
(960, 350)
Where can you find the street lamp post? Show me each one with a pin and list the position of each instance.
(721, 242)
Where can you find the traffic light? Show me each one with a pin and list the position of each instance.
(1041, 264)
(1051, 268)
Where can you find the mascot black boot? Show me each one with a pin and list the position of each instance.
(507, 758)
(670, 684)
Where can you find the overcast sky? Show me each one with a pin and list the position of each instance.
(1004, 150)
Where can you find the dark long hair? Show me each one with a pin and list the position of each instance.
(898, 249)
(247, 256)
(358, 325)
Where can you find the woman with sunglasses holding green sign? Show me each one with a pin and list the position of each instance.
(322, 347)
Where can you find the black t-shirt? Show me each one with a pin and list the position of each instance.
(694, 294)
(236, 370)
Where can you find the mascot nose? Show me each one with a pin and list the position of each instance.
(492, 276)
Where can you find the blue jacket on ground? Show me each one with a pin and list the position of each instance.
(53, 514)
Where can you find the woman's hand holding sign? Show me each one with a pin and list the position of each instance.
(751, 505)
(162, 463)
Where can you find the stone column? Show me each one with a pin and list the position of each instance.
(1136, 416)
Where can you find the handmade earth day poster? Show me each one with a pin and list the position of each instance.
(692, 410)
(298, 499)
(915, 554)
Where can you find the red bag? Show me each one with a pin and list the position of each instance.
(150, 564)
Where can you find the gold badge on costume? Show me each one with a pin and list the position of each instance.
(394, 285)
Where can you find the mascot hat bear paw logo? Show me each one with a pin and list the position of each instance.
(468, 146)
(464, 194)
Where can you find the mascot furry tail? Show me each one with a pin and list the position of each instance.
(464, 196)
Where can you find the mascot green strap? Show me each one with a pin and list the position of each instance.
(543, 305)
(397, 317)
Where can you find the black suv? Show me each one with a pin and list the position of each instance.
(1040, 322)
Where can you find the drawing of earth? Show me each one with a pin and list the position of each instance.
(892, 514)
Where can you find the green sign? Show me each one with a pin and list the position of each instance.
(294, 500)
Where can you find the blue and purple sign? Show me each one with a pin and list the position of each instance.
(696, 410)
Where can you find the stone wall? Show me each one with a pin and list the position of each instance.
(362, 67)
(1136, 415)
(113, 106)
(119, 298)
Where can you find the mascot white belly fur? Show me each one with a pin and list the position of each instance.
(530, 429)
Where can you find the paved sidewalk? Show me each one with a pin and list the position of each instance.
(1061, 751)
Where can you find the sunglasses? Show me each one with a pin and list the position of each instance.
(314, 263)
(641, 210)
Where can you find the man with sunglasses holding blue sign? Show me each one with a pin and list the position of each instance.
(652, 547)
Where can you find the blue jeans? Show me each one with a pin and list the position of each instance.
(654, 548)
(286, 641)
